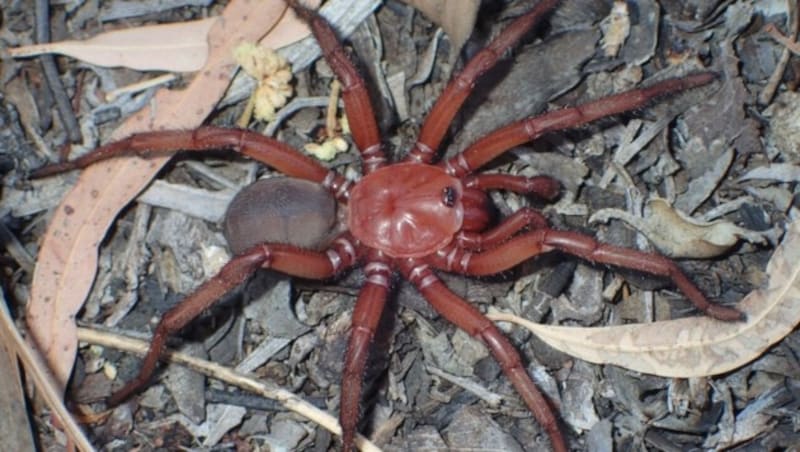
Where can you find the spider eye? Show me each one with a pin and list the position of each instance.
(449, 196)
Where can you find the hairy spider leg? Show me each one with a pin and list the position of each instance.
(525, 217)
(543, 240)
(470, 319)
(266, 150)
(366, 316)
(520, 132)
(287, 259)
(355, 95)
(456, 92)
(543, 187)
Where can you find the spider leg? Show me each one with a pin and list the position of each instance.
(520, 132)
(540, 186)
(525, 246)
(543, 187)
(267, 150)
(357, 104)
(366, 316)
(468, 318)
(476, 241)
(460, 87)
(284, 258)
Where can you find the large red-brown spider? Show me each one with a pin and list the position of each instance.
(413, 216)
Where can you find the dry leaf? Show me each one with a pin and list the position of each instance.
(456, 17)
(67, 260)
(179, 47)
(679, 236)
(143, 48)
(697, 346)
(289, 29)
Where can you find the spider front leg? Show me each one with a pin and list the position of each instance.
(283, 258)
(492, 145)
(355, 95)
(468, 318)
(523, 247)
(525, 217)
(269, 151)
(542, 187)
(456, 92)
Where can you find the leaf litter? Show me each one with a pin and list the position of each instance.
(433, 404)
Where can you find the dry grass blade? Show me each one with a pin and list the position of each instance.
(15, 428)
(697, 346)
(38, 372)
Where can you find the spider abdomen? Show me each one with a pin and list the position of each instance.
(406, 210)
(280, 210)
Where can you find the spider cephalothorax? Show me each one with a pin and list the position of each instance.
(412, 217)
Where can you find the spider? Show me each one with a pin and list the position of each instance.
(413, 217)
